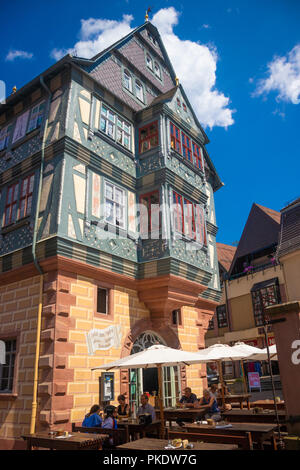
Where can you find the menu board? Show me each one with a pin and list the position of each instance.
(254, 380)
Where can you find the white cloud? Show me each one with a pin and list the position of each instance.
(283, 78)
(14, 54)
(195, 64)
(95, 36)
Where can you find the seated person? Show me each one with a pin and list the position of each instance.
(110, 421)
(187, 401)
(123, 408)
(208, 404)
(214, 390)
(92, 419)
(146, 407)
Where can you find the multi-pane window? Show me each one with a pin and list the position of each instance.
(149, 62)
(262, 298)
(200, 224)
(211, 324)
(186, 147)
(175, 138)
(11, 204)
(189, 219)
(115, 127)
(114, 201)
(157, 70)
(26, 196)
(107, 121)
(18, 200)
(36, 116)
(123, 133)
(178, 213)
(4, 136)
(222, 316)
(197, 152)
(149, 217)
(139, 91)
(148, 137)
(7, 369)
(102, 300)
(127, 80)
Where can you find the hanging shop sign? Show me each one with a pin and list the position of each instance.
(104, 339)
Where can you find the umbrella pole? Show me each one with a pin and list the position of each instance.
(160, 399)
(222, 383)
(244, 377)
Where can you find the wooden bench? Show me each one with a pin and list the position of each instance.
(241, 440)
(119, 436)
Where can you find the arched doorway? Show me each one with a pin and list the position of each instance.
(146, 380)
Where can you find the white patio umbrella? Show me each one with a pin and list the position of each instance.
(220, 353)
(245, 349)
(157, 355)
(263, 354)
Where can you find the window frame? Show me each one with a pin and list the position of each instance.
(222, 317)
(257, 305)
(12, 336)
(128, 74)
(186, 142)
(150, 229)
(110, 300)
(198, 156)
(14, 202)
(173, 136)
(28, 194)
(149, 137)
(138, 84)
(39, 116)
(124, 204)
(5, 132)
(115, 124)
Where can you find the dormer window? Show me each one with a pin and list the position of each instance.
(127, 80)
(157, 70)
(139, 90)
(149, 62)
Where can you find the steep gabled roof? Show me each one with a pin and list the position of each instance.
(225, 255)
(261, 231)
(290, 229)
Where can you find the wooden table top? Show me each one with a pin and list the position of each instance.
(76, 437)
(238, 412)
(241, 427)
(160, 444)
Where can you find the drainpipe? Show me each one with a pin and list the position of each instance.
(38, 267)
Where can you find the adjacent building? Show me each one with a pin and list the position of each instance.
(252, 278)
(80, 146)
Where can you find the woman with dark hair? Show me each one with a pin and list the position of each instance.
(92, 419)
(123, 408)
(110, 421)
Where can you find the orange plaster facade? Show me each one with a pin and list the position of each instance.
(67, 386)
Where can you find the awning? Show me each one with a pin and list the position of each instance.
(265, 284)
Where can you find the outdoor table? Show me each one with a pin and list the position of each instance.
(248, 416)
(236, 398)
(260, 432)
(268, 404)
(135, 428)
(76, 441)
(189, 414)
(160, 444)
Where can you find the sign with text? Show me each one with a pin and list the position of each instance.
(104, 339)
(254, 380)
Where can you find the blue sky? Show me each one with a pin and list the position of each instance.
(241, 73)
